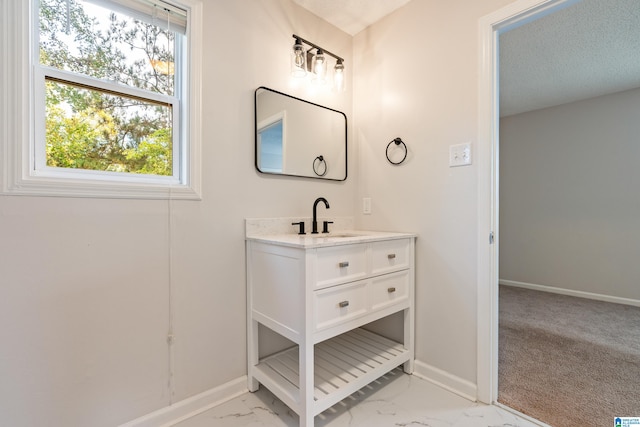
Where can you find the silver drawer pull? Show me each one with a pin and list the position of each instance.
(343, 304)
(343, 264)
(391, 290)
(391, 256)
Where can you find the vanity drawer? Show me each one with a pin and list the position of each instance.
(390, 255)
(339, 304)
(340, 264)
(389, 289)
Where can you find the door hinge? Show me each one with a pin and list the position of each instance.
(491, 238)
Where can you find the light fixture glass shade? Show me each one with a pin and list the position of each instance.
(298, 60)
(338, 76)
(320, 67)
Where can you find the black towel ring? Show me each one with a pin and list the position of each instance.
(397, 141)
(320, 160)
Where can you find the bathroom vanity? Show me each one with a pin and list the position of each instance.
(320, 292)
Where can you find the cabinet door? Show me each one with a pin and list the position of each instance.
(340, 264)
(390, 255)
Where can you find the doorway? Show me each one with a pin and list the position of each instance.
(491, 26)
(488, 274)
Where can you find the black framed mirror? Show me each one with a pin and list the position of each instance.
(299, 138)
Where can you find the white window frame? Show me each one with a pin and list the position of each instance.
(270, 121)
(23, 101)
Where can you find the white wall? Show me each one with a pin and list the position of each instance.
(568, 196)
(85, 289)
(417, 78)
(84, 283)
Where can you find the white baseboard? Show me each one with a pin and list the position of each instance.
(444, 379)
(570, 292)
(194, 405)
(187, 408)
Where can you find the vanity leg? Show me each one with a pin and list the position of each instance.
(306, 385)
(252, 354)
(306, 419)
(409, 340)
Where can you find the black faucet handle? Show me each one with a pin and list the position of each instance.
(325, 226)
(301, 224)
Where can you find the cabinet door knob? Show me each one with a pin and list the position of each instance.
(343, 304)
(391, 290)
(391, 256)
(344, 264)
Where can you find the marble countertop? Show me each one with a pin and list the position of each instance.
(334, 238)
(280, 231)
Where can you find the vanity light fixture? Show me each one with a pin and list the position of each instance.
(298, 59)
(319, 68)
(314, 61)
(338, 76)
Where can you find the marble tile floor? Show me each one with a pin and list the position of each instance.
(394, 400)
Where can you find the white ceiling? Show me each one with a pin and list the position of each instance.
(589, 49)
(351, 16)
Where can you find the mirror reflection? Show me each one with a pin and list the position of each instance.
(299, 138)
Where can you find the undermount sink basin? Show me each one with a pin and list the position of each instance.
(339, 234)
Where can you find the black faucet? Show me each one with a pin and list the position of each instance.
(314, 225)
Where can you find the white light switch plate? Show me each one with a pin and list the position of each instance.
(366, 205)
(460, 155)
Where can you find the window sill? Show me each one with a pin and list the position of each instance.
(48, 187)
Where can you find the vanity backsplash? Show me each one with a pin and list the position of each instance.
(266, 226)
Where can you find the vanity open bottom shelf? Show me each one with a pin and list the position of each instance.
(342, 365)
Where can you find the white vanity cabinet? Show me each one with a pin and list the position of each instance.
(319, 292)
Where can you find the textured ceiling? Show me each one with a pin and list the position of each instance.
(588, 49)
(351, 16)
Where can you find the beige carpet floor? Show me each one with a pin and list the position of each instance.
(567, 361)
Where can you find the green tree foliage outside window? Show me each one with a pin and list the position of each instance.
(94, 129)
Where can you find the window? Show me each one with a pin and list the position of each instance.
(112, 109)
(271, 140)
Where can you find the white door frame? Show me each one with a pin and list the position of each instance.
(490, 27)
